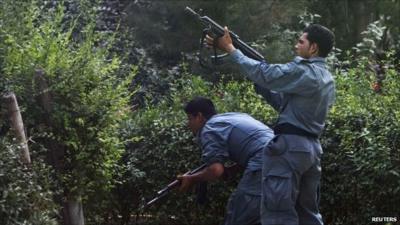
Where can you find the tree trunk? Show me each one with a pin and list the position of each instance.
(44, 96)
(73, 211)
(17, 125)
(56, 153)
(362, 17)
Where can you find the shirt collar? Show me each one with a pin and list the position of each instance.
(299, 59)
(198, 135)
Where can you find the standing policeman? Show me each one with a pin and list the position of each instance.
(302, 91)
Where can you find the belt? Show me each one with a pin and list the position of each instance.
(287, 128)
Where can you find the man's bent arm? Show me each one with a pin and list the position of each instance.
(210, 173)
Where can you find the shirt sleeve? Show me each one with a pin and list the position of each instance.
(213, 145)
(289, 78)
(272, 97)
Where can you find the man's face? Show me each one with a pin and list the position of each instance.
(195, 123)
(304, 49)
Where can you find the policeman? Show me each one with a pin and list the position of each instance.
(229, 136)
(302, 92)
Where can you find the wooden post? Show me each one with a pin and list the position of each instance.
(17, 125)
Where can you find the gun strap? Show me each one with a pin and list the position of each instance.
(201, 60)
(201, 193)
(215, 50)
(216, 58)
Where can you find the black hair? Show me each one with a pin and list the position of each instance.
(322, 36)
(200, 104)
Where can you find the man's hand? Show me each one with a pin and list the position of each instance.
(186, 182)
(223, 43)
(210, 173)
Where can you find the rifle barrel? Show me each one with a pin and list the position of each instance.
(188, 9)
(163, 192)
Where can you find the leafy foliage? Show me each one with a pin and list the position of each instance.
(362, 157)
(372, 36)
(26, 195)
(88, 94)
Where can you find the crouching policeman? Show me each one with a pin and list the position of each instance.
(229, 136)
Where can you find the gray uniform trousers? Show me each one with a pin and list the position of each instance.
(244, 203)
(291, 180)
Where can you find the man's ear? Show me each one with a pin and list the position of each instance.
(314, 49)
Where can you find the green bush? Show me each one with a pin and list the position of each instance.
(362, 152)
(26, 195)
(89, 90)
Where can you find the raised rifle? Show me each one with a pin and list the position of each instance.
(216, 30)
(164, 192)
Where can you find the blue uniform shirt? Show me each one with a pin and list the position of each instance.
(234, 136)
(302, 90)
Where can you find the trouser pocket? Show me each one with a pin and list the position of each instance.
(243, 209)
(277, 146)
(277, 192)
